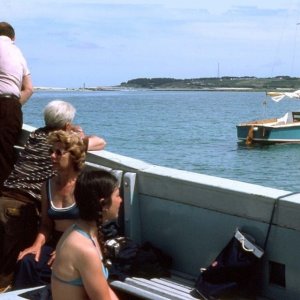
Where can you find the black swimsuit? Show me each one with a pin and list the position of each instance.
(61, 213)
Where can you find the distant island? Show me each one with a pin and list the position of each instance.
(216, 83)
(245, 83)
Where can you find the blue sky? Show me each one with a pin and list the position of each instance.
(100, 43)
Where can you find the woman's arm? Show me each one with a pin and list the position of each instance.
(96, 286)
(112, 294)
(27, 89)
(95, 143)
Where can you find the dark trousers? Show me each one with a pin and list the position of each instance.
(19, 221)
(30, 273)
(11, 120)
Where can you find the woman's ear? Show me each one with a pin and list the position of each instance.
(105, 206)
(102, 203)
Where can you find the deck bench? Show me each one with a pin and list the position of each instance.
(176, 287)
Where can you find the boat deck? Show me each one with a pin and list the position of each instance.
(289, 119)
(177, 287)
(174, 288)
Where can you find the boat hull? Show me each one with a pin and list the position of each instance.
(263, 133)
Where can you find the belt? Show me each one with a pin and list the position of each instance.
(9, 96)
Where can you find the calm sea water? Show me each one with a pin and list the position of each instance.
(192, 131)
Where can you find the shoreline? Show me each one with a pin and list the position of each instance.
(120, 88)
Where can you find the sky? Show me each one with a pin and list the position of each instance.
(106, 42)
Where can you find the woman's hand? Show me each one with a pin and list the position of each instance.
(52, 258)
(34, 249)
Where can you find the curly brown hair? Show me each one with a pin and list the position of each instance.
(73, 144)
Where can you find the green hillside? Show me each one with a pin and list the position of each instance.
(226, 82)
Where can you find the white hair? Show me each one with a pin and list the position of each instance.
(58, 113)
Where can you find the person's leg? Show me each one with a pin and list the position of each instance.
(11, 120)
(30, 273)
(18, 229)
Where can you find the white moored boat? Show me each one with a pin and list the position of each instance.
(276, 130)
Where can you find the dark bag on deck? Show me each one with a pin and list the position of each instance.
(127, 258)
(233, 272)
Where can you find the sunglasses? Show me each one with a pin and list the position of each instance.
(57, 152)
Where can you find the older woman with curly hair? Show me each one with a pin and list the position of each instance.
(59, 210)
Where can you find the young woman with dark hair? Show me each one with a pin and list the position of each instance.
(78, 271)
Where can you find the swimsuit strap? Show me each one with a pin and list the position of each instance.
(78, 281)
(84, 233)
(75, 282)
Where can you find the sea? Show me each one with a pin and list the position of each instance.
(186, 130)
